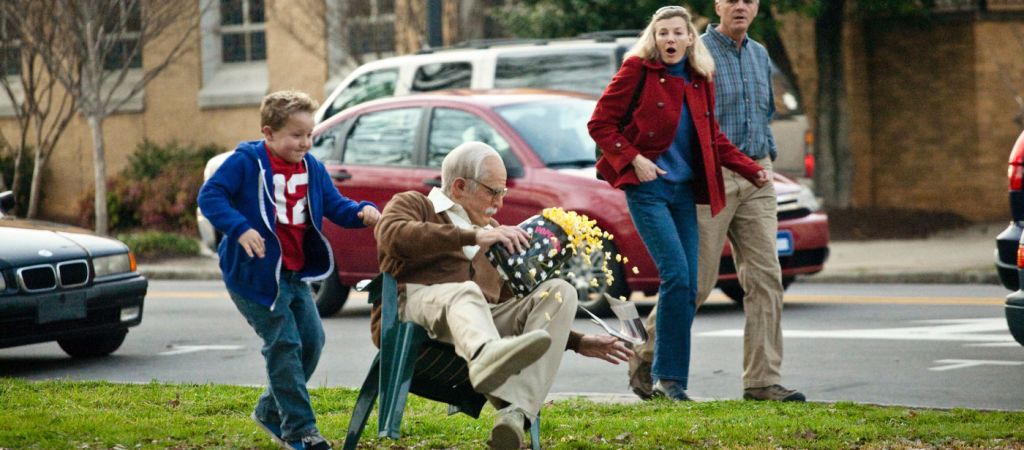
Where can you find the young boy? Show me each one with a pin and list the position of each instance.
(269, 199)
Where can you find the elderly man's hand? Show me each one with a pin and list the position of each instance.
(608, 348)
(515, 239)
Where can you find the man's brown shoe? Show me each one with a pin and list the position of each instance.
(500, 359)
(640, 378)
(774, 392)
(508, 429)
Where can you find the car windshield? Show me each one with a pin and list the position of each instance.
(555, 130)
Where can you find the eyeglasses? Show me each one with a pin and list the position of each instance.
(669, 8)
(495, 193)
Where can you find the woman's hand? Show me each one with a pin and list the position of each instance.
(763, 177)
(645, 169)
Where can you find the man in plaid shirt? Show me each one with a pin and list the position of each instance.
(744, 105)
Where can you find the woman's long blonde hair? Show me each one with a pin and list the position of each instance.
(697, 54)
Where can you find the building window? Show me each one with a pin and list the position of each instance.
(124, 19)
(242, 31)
(358, 31)
(10, 49)
(234, 52)
(371, 28)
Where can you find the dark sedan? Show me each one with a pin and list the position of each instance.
(1010, 248)
(61, 283)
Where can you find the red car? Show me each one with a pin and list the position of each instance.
(377, 149)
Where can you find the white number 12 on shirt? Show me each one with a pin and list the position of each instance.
(299, 210)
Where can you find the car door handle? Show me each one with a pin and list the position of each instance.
(341, 175)
(435, 182)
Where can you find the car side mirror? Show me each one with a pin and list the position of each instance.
(6, 202)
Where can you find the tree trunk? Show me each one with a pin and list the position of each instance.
(99, 164)
(833, 173)
(33, 192)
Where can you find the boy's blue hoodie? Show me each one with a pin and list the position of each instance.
(238, 197)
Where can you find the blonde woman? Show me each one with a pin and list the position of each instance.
(667, 158)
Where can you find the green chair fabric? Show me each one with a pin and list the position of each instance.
(409, 361)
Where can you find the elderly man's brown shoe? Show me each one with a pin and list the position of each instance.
(500, 359)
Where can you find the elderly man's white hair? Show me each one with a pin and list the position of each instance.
(465, 161)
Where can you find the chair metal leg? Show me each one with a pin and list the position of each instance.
(396, 378)
(535, 433)
(364, 405)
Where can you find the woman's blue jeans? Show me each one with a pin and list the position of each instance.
(293, 337)
(665, 215)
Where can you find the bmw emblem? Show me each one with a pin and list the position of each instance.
(45, 253)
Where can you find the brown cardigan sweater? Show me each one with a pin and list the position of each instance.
(417, 245)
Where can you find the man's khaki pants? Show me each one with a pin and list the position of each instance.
(458, 314)
(749, 220)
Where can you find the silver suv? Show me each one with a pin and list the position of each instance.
(585, 64)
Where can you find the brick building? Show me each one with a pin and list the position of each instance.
(932, 104)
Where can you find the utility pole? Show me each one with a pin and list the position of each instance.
(435, 26)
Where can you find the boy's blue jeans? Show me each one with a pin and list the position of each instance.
(665, 215)
(293, 337)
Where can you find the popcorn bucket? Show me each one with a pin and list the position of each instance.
(548, 250)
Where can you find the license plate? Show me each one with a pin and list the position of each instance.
(784, 242)
(57, 307)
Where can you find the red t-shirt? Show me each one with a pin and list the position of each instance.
(291, 182)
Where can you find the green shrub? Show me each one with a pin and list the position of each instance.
(22, 191)
(156, 191)
(149, 245)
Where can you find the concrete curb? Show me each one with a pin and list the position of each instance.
(179, 273)
(932, 277)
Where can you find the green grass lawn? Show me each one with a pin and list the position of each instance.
(100, 415)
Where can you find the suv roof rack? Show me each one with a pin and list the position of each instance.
(598, 36)
(486, 43)
(610, 35)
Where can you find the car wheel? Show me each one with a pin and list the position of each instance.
(329, 295)
(94, 345)
(734, 291)
(583, 273)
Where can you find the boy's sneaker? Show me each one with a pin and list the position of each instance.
(774, 392)
(311, 442)
(274, 430)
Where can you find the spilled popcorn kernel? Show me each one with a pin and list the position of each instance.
(625, 260)
(547, 316)
(636, 271)
(594, 283)
(544, 294)
(558, 296)
(533, 273)
(618, 257)
(622, 297)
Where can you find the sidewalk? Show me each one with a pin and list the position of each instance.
(961, 256)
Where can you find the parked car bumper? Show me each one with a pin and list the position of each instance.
(1007, 243)
(47, 316)
(810, 238)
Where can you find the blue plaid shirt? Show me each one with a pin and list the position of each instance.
(744, 101)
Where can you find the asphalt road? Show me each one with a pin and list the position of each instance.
(919, 345)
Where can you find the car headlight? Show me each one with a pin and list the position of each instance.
(805, 199)
(114, 264)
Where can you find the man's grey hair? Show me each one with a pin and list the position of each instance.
(465, 161)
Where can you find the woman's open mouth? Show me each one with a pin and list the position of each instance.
(670, 50)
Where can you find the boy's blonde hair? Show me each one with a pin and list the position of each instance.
(698, 56)
(278, 106)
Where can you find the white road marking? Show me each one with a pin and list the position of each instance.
(182, 349)
(951, 364)
(963, 330)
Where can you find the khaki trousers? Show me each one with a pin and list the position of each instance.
(458, 314)
(750, 222)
